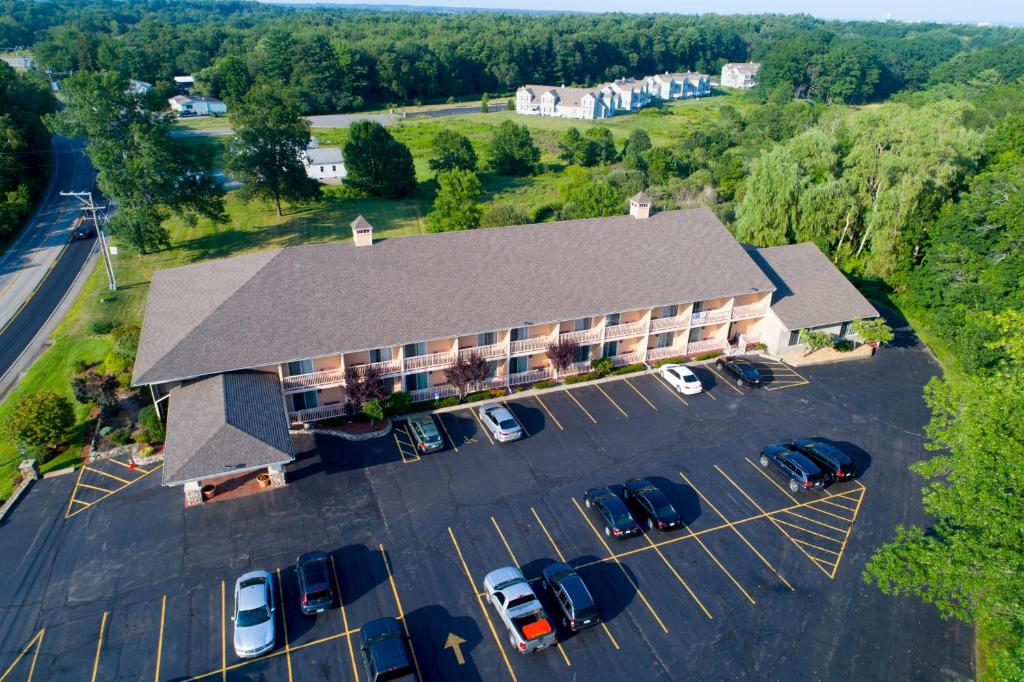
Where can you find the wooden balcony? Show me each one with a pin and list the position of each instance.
(752, 310)
(705, 346)
(619, 331)
(664, 324)
(586, 336)
(531, 376)
(627, 359)
(418, 363)
(662, 353)
(313, 414)
(305, 382)
(386, 368)
(530, 345)
(709, 316)
(494, 350)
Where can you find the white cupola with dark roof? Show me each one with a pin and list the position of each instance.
(362, 231)
(640, 206)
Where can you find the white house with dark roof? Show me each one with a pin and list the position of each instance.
(670, 86)
(323, 163)
(607, 99)
(740, 75)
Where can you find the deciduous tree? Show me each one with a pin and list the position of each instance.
(456, 207)
(561, 354)
(40, 419)
(466, 373)
(452, 151)
(512, 151)
(377, 163)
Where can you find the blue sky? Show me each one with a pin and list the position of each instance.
(995, 11)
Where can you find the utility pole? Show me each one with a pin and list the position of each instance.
(90, 206)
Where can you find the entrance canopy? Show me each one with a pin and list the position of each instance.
(223, 424)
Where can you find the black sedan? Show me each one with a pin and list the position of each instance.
(803, 474)
(744, 372)
(618, 522)
(653, 504)
(83, 231)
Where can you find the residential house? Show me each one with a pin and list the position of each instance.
(324, 163)
(562, 102)
(184, 84)
(185, 105)
(742, 75)
(670, 86)
(139, 87)
(631, 94)
(303, 317)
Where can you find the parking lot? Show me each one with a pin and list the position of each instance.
(758, 584)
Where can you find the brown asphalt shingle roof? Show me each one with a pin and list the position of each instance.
(309, 301)
(810, 290)
(225, 423)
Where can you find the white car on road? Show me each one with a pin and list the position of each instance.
(681, 378)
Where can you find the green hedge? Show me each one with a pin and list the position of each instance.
(670, 361)
(547, 383)
(580, 378)
(708, 356)
(629, 369)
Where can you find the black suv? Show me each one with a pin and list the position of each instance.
(803, 474)
(830, 459)
(746, 374)
(579, 611)
(314, 583)
(618, 522)
(653, 504)
(385, 653)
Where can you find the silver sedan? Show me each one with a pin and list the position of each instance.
(501, 423)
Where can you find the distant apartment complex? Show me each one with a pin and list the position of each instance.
(301, 317)
(608, 99)
(741, 75)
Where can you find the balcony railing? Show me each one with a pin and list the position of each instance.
(442, 391)
(384, 368)
(705, 346)
(663, 324)
(494, 350)
(581, 337)
(578, 367)
(662, 353)
(313, 414)
(302, 382)
(750, 310)
(627, 359)
(429, 361)
(708, 316)
(530, 376)
(618, 331)
(530, 345)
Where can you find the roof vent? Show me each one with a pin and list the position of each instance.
(640, 206)
(362, 231)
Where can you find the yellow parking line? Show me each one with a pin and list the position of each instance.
(820, 523)
(480, 603)
(482, 427)
(809, 531)
(160, 638)
(842, 548)
(126, 466)
(451, 440)
(642, 396)
(736, 530)
(35, 655)
(561, 557)
(344, 621)
(401, 613)
(836, 504)
(542, 404)
(84, 504)
(284, 624)
(412, 442)
(104, 473)
(771, 480)
(512, 412)
(35, 641)
(724, 380)
(671, 390)
(96, 487)
(223, 636)
(822, 549)
(67, 512)
(99, 647)
(657, 550)
(622, 568)
(401, 450)
(573, 398)
(505, 542)
(617, 406)
(103, 497)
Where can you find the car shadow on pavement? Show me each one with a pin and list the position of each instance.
(332, 454)
(297, 623)
(683, 498)
(530, 418)
(430, 628)
(359, 569)
(861, 459)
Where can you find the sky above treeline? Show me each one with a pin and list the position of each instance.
(993, 11)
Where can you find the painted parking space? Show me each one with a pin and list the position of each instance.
(99, 481)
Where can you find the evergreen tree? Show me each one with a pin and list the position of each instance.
(512, 151)
(377, 163)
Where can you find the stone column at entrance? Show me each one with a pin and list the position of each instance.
(276, 472)
(193, 494)
(29, 470)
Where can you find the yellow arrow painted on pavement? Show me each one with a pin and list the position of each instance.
(454, 642)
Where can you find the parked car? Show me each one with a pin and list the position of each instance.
(83, 231)
(653, 504)
(425, 434)
(803, 474)
(386, 651)
(255, 632)
(315, 593)
(500, 422)
(579, 611)
(519, 609)
(618, 522)
(681, 378)
(830, 459)
(744, 372)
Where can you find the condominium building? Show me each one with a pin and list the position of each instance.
(635, 288)
(740, 75)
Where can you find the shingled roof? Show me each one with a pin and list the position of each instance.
(223, 424)
(810, 290)
(310, 301)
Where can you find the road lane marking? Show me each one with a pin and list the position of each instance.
(573, 398)
(671, 390)
(99, 647)
(160, 638)
(284, 624)
(401, 613)
(625, 573)
(642, 396)
(483, 609)
(736, 530)
(617, 406)
(344, 621)
(542, 404)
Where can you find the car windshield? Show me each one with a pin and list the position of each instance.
(508, 424)
(520, 601)
(252, 617)
(384, 636)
